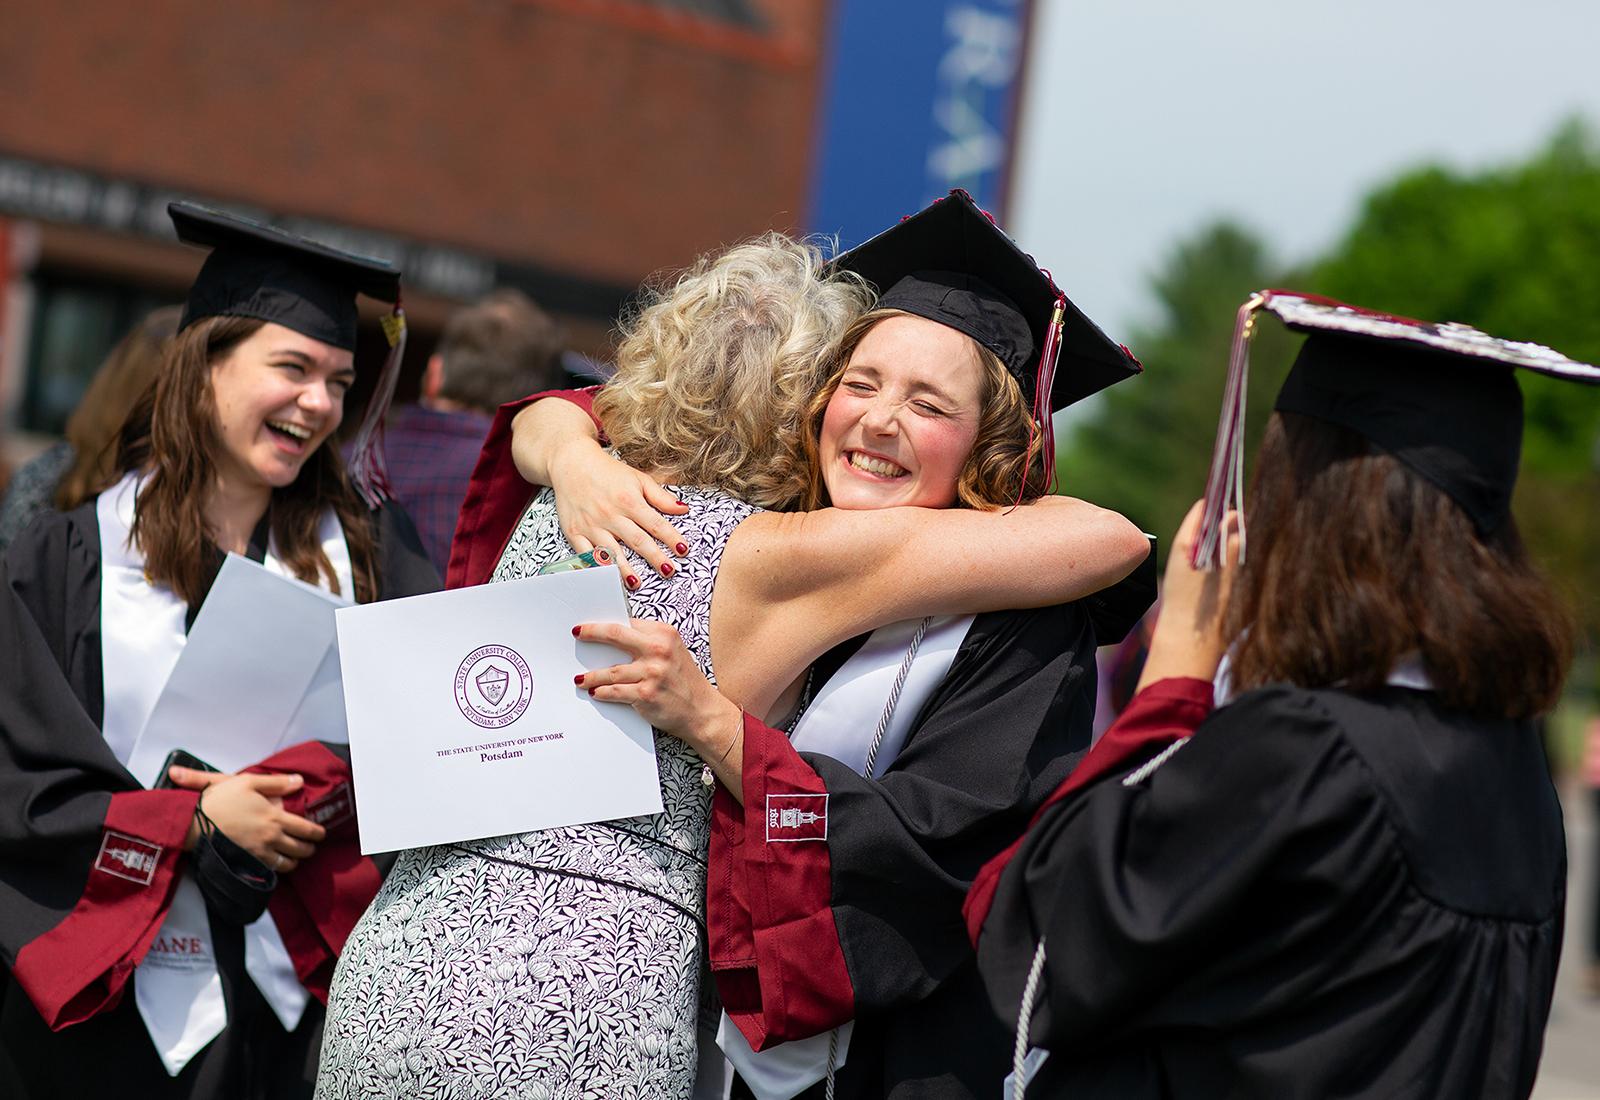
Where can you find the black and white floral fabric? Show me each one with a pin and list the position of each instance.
(474, 974)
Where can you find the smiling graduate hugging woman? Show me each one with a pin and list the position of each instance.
(567, 962)
(176, 941)
(844, 837)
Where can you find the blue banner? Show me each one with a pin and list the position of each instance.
(918, 96)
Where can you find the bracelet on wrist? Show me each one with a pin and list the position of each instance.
(205, 828)
(707, 776)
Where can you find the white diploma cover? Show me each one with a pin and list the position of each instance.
(260, 672)
(464, 720)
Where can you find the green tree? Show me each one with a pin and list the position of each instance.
(1513, 250)
(1146, 448)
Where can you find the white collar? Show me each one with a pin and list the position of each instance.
(1409, 671)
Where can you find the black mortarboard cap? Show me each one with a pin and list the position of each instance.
(257, 271)
(1441, 397)
(1459, 425)
(950, 263)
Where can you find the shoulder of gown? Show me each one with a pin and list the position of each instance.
(1269, 852)
(53, 567)
(804, 936)
(404, 566)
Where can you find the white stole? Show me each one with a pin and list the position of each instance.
(176, 986)
(840, 723)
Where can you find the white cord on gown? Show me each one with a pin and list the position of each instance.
(1019, 1052)
(872, 760)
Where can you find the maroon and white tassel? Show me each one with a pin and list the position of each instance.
(367, 467)
(1225, 482)
(1044, 383)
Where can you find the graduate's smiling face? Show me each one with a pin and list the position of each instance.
(278, 397)
(900, 426)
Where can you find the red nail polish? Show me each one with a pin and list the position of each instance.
(683, 503)
(578, 679)
(633, 582)
(666, 569)
(591, 693)
(575, 631)
(681, 549)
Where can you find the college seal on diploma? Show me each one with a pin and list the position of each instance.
(449, 740)
(493, 686)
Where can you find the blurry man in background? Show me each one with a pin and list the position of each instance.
(496, 350)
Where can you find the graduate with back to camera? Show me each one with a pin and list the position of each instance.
(176, 941)
(1349, 881)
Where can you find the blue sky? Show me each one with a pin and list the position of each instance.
(1144, 119)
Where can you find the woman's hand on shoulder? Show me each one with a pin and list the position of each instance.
(248, 808)
(603, 502)
(663, 683)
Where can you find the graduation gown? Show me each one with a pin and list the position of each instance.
(1319, 895)
(89, 861)
(867, 926)
(864, 923)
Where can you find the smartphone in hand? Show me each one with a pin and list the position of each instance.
(182, 759)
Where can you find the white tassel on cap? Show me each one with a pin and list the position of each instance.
(1045, 381)
(1225, 482)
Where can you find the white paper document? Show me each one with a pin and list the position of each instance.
(253, 677)
(465, 722)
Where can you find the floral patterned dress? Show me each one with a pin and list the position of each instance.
(550, 965)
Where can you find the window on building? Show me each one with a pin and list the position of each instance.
(76, 322)
(738, 13)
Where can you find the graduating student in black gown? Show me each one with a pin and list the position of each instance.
(229, 451)
(1349, 882)
(851, 920)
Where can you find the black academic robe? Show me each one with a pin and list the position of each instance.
(71, 926)
(1320, 895)
(866, 923)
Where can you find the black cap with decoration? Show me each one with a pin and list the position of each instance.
(1441, 397)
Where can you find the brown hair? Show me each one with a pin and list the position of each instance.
(92, 430)
(172, 435)
(1356, 562)
(1006, 465)
(498, 349)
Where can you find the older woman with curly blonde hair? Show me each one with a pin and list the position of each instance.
(567, 962)
(740, 383)
(934, 739)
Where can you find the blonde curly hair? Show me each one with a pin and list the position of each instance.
(716, 372)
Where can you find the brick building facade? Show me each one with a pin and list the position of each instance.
(569, 147)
